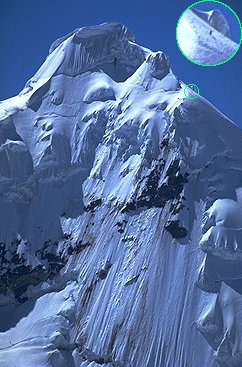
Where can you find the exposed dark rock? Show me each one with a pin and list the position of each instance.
(78, 247)
(19, 280)
(23, 275)
(115, 331)
(102, 273)
(132, 280)
(129, 207)
(93, 204)
(128, 238)
(90, 356)
(164, 143)
(121, 226)
(37, 97)
(154, 194)
(176, 207)
(66, 236)
(175, 230)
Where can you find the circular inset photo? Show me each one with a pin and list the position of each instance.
(191, 91)
(208, 33)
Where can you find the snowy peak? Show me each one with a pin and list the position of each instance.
(93, 32)
(159, 65)
(108, 47)
(101, 45)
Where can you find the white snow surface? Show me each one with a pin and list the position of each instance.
(120, 207)
(203, 37)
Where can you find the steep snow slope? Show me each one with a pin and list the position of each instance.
(121, 229)
(203, 37)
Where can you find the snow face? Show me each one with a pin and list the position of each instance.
(120, 215)
(204, 37)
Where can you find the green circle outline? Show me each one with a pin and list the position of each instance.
(188, 86)
(238, 19)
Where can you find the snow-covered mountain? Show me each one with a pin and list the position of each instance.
(121, 225)
(203, 36)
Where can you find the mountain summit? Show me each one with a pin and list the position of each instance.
(121, 227)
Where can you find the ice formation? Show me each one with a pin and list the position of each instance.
(120, 202)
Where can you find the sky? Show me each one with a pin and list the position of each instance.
(28, 27)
